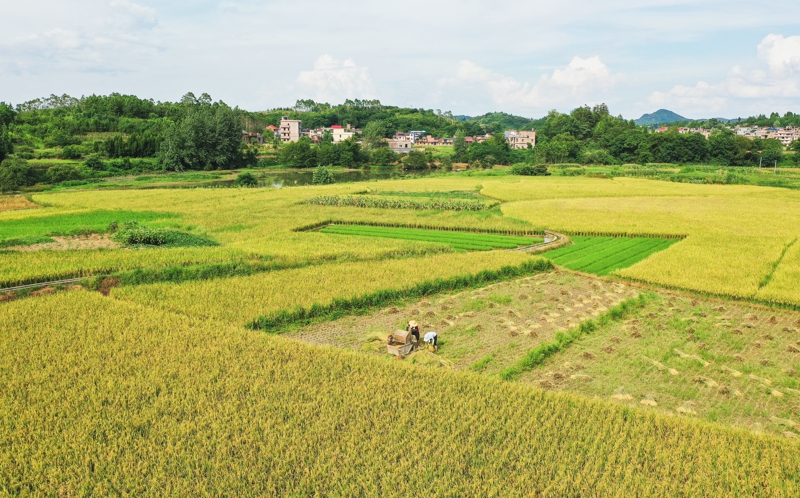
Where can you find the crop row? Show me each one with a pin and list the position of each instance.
(457, 240)
(103, 397)
(365, 201)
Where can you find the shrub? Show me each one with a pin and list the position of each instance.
(415, 160)
(529, 170)
(322, 176)
(15, 173)
(246, 179)
(94, 163)
(383, 156)
(133, 233)
(63, 172)
(70, 152)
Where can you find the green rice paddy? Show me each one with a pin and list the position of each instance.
(466, 241)
(602, 255)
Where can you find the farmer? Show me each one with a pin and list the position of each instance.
(432, 338)
(413, 327)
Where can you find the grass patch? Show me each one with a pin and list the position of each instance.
(458, 240)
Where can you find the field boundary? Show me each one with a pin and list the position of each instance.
(283, 320)
(321, 224)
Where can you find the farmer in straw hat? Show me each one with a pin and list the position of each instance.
(413, 327)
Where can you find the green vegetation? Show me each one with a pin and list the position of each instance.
(38, 229)
(134, 234)
(457, 240)
(365, 201)
(602, 255)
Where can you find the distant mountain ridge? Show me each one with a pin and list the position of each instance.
(658, 117)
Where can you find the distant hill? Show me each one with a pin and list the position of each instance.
(658, 117)
(507, 121)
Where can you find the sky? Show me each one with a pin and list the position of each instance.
(699, 58)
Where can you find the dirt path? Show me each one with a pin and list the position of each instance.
(95, 241)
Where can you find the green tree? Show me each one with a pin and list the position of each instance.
(327, 154)
(209, 137)
(447, 162)
(246, 179)
(795, 147)
(383, 156)
(298, 154)
(322, 176)
(415, 160)
(63, 172)
(460, 148)
(15, 172)
(350, 153)
(374, 134)
(6, 144)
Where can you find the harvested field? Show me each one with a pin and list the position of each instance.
(485, 329)
(717, 360)
(15, 202)
(78, 242)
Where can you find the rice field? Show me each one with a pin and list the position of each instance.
(104, 397)
(464, 241)
(603, 255)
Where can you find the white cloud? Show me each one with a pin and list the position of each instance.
(580, 78)
(778, 80)
(333, 80)
(134, 13)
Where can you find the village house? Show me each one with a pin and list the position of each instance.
(341, 134)
(520, 139)
(251, 136)
(290, 129)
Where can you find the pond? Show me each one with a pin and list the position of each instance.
(292, 178)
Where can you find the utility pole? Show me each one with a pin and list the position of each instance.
(776, 167)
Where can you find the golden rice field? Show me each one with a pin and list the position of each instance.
(240, 300)
(159, 389)
(735, 234)
(106, 397)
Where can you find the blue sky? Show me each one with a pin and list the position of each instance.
(698, 58)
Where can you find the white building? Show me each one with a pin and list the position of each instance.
(290, 129)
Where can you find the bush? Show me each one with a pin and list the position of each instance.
(63, 172)
(322, 176)
(529, 170)
(71, 152)
(415, 160)
(133, 233)
(15, 173)
(246, 179)
(383, 156)
(94, 163)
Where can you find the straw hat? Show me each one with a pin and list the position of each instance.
(413, 323)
